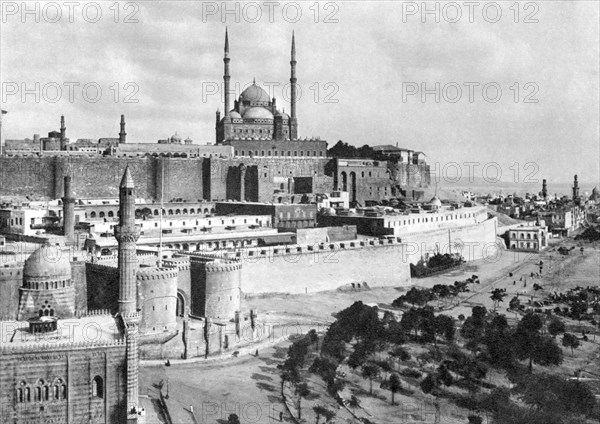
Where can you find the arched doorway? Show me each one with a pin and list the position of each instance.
(180, 304)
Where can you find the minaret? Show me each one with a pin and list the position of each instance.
(226, 76)
(127, 235)
(122, 133)
(2, 113)
(293, 118)
(575, 188)
(63, 133)
(68, 211)
(544, 190)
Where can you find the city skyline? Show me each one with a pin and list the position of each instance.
(374, 101)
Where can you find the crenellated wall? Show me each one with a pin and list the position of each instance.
(303, 269)
(313, 268)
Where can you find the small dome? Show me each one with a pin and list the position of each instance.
(254, 93)
(258, 113)
(435, 201)
(47, 262)
(175, 138)
(285, 116)
(234, 115)
(595, 195)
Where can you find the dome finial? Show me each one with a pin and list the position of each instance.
(254, 81)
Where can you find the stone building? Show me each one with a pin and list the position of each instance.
(54, 368)
(529, 237)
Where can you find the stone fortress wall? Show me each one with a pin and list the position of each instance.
(195, 179)
(320, 267)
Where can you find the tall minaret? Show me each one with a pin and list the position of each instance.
(127, 235)
(293, 118)
(575, 188)
(122, 133)
(544, 190)
(63, 133)
(68, 211)
(226, 76)
(2, 113)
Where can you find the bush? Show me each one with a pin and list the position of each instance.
(411, 373)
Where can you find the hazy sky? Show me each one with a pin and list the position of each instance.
(356, 75)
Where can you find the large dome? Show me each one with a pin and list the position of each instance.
(47, 262)
(254, 93)
(258, 113)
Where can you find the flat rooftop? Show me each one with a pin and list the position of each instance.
(90, 329)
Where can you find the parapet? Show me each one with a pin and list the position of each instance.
(283, 250)
(6, 349)
(215, 262)
(154, 273)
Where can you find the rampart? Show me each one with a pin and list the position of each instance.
(313, 268)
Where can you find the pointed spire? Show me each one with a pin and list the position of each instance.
(293, 46)
(127, 181)
(226, 43)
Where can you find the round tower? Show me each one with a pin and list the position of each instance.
(158, 299)
(216, 287)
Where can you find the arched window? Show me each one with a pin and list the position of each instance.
(98, 387)
(111, 214)
(20, 395)
(101, 214)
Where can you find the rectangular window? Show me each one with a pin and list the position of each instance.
(295, 153)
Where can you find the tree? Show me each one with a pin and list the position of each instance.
(556, 327)
(314, 338)
(233, 419)
(570, 340)
(499, 342)
(473, 327)
(394, 384)
(353, 402)
(302, 391)
(323, 411)
(360, 354)
(428, 384)
(370, 372)
(527, 336)
(498, 296)
(444, 325)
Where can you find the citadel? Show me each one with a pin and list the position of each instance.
(156, 245)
